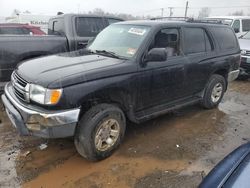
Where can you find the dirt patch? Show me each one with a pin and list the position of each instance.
(161, 179)
(172, 150)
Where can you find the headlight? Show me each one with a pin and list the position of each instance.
(43, 95)
(243, 52)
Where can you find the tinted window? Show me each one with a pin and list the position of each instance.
(236, 25)
(89, 27)
(246, 25)
(14, 31)
(112, 20)
(194, 40)
(225, 37)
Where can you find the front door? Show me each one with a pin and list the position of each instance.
(162, 82)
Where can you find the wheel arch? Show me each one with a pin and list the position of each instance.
(116, 96)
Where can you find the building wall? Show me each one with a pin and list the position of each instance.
(36, 20)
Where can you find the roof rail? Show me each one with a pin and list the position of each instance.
(214, 21)
(171, 18)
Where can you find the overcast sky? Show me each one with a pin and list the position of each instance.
(135, 7)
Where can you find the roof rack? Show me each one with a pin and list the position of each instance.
(191, 20)
(171, 18)
(213, 21)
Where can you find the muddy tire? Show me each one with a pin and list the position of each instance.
(100, 131)
(214, 91)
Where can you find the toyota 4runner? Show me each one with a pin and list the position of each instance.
(134, 71)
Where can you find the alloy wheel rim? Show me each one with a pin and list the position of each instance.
(107, 134)
(217, 92)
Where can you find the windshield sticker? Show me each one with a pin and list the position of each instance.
(131, 51)
(137, 31)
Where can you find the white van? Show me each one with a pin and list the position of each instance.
(240, 24)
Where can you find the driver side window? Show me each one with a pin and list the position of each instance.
(168, 39)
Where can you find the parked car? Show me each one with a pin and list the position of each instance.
(133, 71)
(232, 171)
(240, 24)
(245, 56)
(20, 29)
(68, 32)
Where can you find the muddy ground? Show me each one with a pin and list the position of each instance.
(175, 150)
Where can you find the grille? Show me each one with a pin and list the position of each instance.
(246, 53)
(19, 87)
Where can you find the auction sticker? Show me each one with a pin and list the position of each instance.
(137, 31)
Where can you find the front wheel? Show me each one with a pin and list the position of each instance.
(100, 131)
(214, 91)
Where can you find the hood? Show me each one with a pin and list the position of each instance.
(244, 44)
(58, 71)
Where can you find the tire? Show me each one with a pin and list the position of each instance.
(95, 126)
(209, 99)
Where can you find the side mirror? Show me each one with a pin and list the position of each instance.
(236, 30)
(157, 54)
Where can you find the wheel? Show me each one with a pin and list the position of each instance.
(214, 91)
(100, 131)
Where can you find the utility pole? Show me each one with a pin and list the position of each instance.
(162, 9)
(186, 9)
(171, 11)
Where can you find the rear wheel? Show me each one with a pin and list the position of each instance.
(100, 131)
(214, 91)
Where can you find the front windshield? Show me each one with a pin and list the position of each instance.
(247, 35)
(122, 40)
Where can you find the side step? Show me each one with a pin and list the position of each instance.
(163, 109)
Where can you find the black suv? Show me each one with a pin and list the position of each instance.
(134, 71)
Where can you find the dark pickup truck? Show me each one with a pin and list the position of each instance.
(67, 32)
(132, 71)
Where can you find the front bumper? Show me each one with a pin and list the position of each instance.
(233, 75)
(31, 120)
(245, 66)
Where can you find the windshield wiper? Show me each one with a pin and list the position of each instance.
(109, 53)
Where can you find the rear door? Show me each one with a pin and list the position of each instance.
(198, 52)
(87, 28)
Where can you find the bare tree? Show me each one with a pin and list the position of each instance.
(101, 12)
(238, 13)
(204, 12)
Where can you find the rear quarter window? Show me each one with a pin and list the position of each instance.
(225, 37)
(89, 26)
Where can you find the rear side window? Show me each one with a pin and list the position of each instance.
(56, 27)
(89, 27)
(196, 41)
(246, 25)
(225, 37)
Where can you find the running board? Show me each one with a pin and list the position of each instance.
(153, 112)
